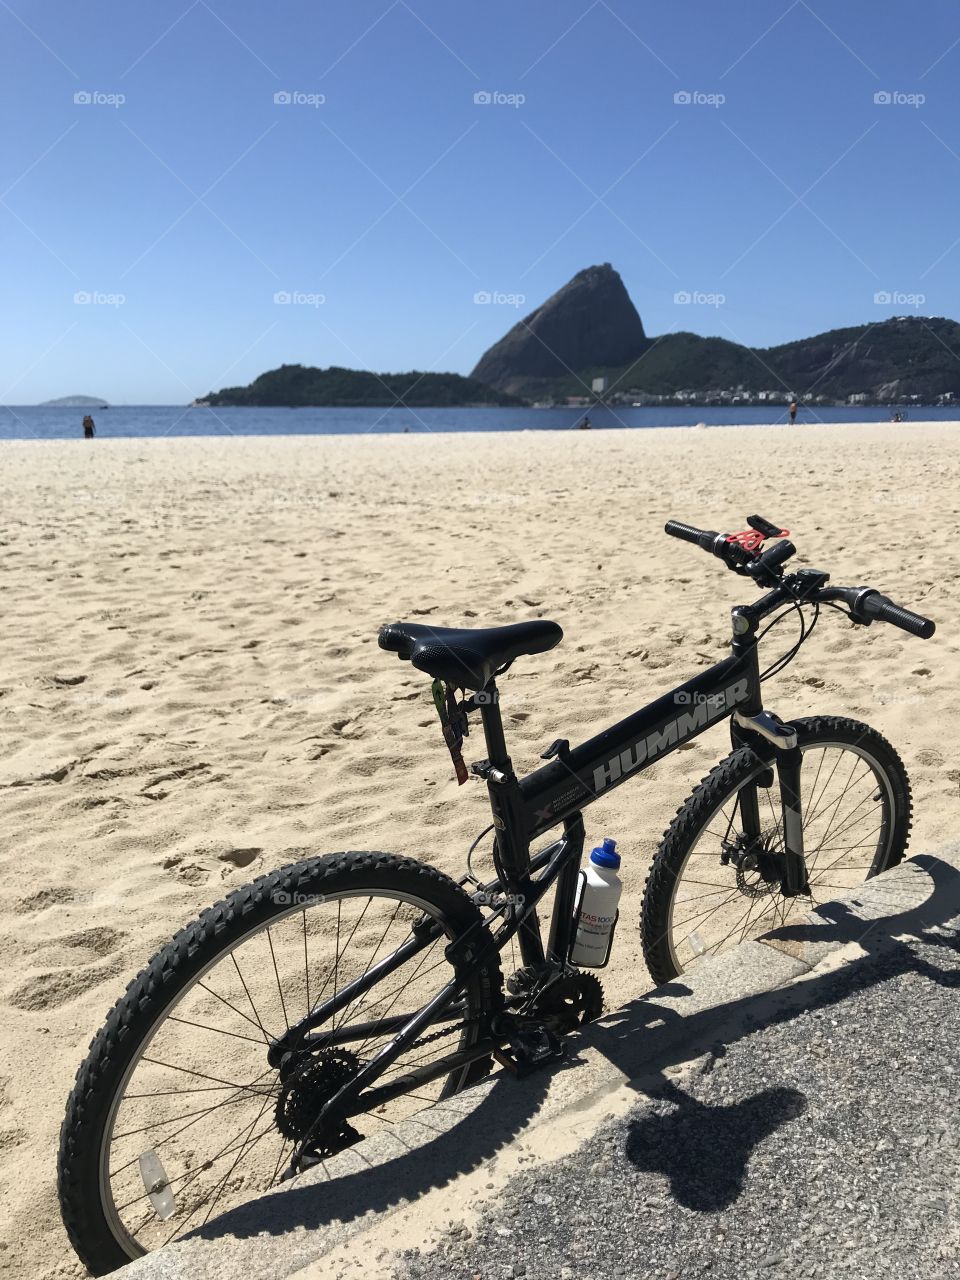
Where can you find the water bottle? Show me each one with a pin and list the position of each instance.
(600, 892)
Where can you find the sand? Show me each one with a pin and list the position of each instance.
(192, 693)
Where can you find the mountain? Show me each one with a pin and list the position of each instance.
(299, 385)
(886, 361)
(590, 328)
(591, 320)
(75, 402)
(897, 358)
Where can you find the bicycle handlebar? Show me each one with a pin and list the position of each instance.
(865, 603)
(731, 553)
(868, 605)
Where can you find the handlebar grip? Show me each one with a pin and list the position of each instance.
(878, 607)
(704, 538)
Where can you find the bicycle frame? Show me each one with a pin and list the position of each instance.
(524, 808)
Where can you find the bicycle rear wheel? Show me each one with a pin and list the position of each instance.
(856, 821)
(177, 1113)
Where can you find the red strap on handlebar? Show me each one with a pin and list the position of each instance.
(752, 539)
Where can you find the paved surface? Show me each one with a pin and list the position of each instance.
(823, 1144)
(791, 1109)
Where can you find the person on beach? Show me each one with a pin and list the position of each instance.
(586, 424)
(793, 412)
(89, 428)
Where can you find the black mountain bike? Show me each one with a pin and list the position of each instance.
(343, 993)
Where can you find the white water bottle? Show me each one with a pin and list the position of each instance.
(597, 911)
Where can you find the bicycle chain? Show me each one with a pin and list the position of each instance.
(444, 1031)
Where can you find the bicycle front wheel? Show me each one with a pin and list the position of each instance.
(710, 887)
(178, 1114)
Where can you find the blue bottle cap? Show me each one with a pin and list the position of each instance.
(605, 855)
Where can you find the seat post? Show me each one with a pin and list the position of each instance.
(493, 728)
(512, 841)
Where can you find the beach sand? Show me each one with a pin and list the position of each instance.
(192, 693)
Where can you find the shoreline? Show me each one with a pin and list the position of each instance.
(420, 432)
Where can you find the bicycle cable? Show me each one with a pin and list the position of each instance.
(470, 852)
(805, 632)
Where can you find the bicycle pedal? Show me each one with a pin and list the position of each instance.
(530, 1047)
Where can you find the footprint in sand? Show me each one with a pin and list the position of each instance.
(55, 896)
(84, 947)
(194, 874)
(66, 682)
(52, 989)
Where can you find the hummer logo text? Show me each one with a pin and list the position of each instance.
(698, 717)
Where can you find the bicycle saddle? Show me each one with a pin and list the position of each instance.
(467, 657)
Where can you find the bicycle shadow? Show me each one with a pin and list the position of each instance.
(702, 1150)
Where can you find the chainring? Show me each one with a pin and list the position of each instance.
(570, 1002)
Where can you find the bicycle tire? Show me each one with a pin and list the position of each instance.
(722, 783)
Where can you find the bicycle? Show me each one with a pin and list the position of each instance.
(251, 1046)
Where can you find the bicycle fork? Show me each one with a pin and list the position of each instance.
(789, 758)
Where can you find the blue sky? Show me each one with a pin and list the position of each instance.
(181, 198)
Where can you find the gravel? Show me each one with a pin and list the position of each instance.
(826, 1144)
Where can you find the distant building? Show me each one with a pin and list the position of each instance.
(859, 397)
(598, 386)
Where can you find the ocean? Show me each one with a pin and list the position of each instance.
(36, 422)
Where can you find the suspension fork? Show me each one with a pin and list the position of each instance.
(795, 880)
(750, 719)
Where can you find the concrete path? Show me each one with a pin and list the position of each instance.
(790, 1108)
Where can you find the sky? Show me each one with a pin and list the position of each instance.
(194, 192)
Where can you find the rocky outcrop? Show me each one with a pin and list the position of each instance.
(591, 321)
